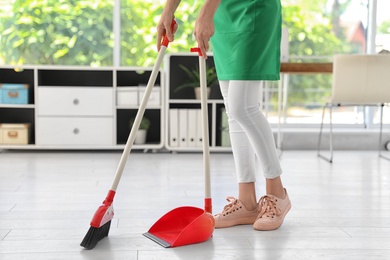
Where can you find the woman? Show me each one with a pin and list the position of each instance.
(246, 47)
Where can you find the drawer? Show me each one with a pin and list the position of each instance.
(74, 131)
(75, 101)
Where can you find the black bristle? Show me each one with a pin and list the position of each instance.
(94, 235)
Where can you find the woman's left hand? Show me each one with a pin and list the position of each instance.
(204, 25)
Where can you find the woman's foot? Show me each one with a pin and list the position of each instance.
(272, 212)
(234, 214)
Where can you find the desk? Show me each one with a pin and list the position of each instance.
(294, 68)
(299, 68)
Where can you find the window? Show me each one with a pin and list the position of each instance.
(318, 30)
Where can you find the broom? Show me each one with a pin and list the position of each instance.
(101, 221)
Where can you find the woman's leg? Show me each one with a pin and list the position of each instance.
(244, 109)
(243, 210)
(244, 157)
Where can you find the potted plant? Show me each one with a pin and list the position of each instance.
(194, 80)
(142, 132)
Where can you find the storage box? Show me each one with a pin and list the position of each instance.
(155, 96)
(14, 133)
(127, 96)
(13, 93)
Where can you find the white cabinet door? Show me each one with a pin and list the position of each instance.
(74, 131)
(75, 101)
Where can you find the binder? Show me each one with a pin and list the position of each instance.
(183, 141)
(173, 127)
(192, 127)
(199, 134)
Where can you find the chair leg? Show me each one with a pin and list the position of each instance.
(381, 155)
(330, 136)
(331, 133)
(320, 135)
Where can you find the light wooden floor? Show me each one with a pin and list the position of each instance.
(339, 210)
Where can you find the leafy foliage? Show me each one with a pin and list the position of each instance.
(80, 32)
(139, 21)
(384, 27)
(61, 32)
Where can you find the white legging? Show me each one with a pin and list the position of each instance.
(250, 132)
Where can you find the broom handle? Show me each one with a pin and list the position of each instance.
(141, 111)
(137, 120)
(205, 125)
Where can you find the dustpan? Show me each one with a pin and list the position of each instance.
(189, 225)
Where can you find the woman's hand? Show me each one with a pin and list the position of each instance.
(204, 30)
(165, 28)
(204, 26)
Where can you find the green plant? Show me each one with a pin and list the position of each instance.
(57, 32)
(194, 77)
(145, 123)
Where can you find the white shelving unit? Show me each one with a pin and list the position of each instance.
(182, 124)
(76, 107)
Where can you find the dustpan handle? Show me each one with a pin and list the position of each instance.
(205, 126)
(140, 112)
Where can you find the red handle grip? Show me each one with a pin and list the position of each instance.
(165, 41)
(196, 49)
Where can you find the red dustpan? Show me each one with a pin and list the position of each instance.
(190, 225)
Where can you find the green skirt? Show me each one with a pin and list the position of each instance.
(246, 43)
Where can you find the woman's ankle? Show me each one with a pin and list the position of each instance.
(247, 195)
(249, 205)
(275, 187)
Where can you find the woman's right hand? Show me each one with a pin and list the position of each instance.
(165, 27)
